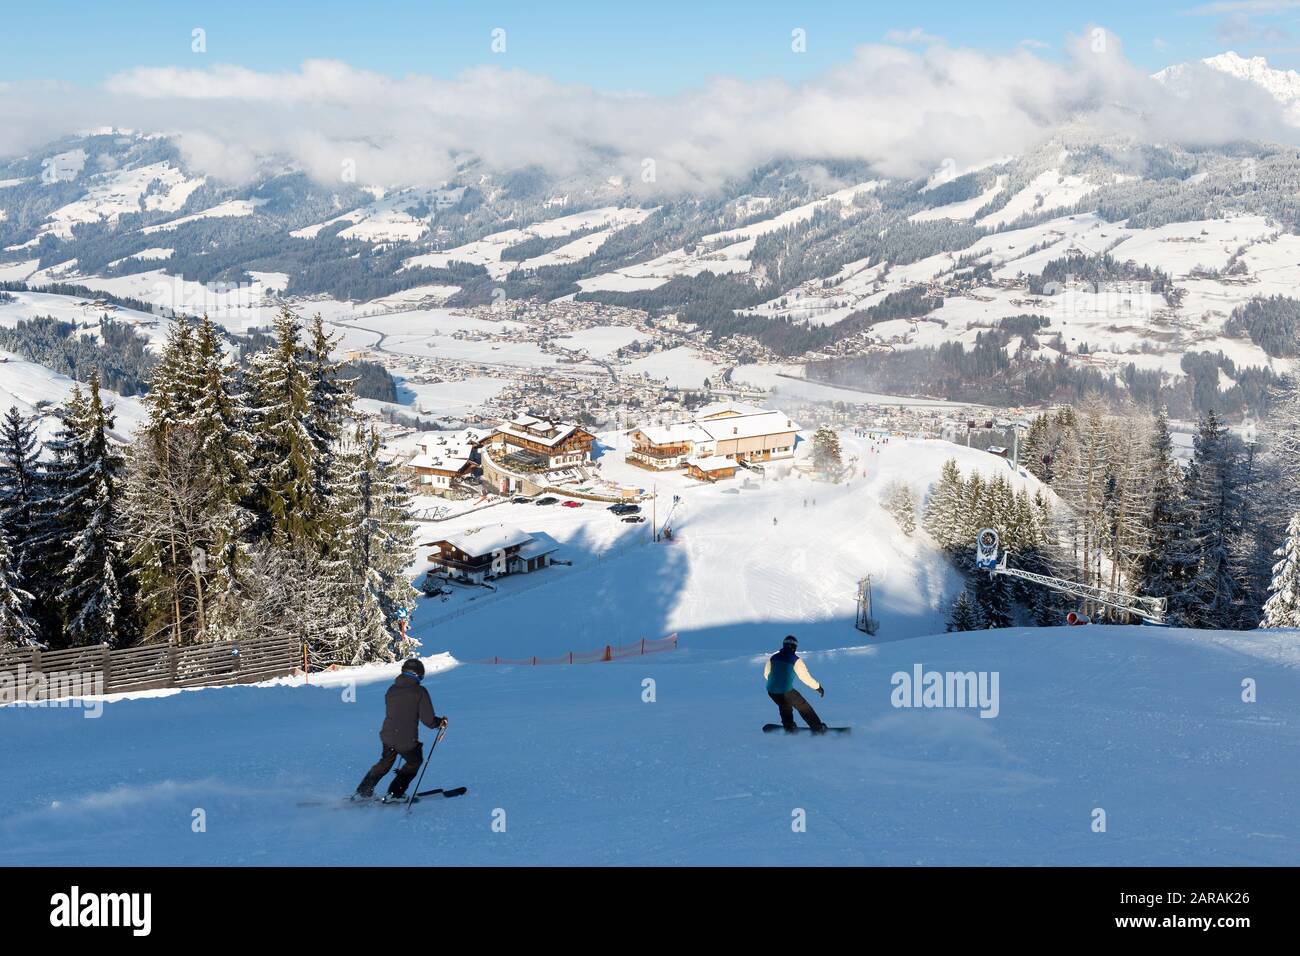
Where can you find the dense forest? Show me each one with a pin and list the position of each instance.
(248, 504)
(986, 374)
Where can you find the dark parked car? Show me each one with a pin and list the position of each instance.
(548, 500)
(521, 500)
(625, 509)
(634, 519)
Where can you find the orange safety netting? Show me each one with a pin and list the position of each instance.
(610, 652)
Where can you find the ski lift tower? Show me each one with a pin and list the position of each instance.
(865, 622)
(1147, 609)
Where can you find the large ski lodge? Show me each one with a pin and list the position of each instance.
(717, 441)
(527, 455)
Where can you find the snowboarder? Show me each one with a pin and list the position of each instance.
(779, 672)
(406, 706)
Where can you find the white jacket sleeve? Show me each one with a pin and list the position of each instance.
(801, 672)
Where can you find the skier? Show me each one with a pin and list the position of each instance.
(406, 706)
(779, 672)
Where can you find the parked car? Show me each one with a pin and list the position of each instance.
(634, 519)
(521, 500)
(625, 509)
(572, 504)
(548, 500)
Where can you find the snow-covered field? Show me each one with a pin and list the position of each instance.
(30, 388)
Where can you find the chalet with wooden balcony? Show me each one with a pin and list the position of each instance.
(445, 460)
(489, 552)
(528, 455)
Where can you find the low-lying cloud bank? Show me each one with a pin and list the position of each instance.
(903, 110)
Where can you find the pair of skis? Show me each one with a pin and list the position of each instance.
(416, 793)
(353, 801)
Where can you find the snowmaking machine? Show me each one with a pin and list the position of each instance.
(1149, 610)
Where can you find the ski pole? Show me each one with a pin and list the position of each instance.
(411, 799)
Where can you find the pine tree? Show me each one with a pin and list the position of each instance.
(1283, 606)
(1212, 597)
(16, 625)
(900, 502)
(962, 617)
(93, 590)
(1037, 454)
(289, 511)
(329, 404)
(221, 422)
(170, 399)
(992, 600)
(380, 538)
(943, 506)
(826, 451)
(21, 489)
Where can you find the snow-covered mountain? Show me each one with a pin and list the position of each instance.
(798, 262)
(1282, 85)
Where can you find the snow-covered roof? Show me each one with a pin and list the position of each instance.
(726, 409)
(749, 423)
(714, 463)
(749, 426)
(478, 542)
(558, 432)
(678, 433)
(449, 463)
(542, 543)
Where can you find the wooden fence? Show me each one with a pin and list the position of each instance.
(77, 670)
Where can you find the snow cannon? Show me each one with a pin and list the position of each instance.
(1073, 619)
(986, 550)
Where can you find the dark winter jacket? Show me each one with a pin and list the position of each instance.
(407, 705)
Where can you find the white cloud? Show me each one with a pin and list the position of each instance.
(914, 35)
(901, 109)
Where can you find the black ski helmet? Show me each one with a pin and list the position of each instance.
(790, 641)
(414, 666)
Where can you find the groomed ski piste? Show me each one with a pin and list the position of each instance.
(1143, 728)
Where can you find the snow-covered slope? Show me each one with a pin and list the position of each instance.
(31, 388)
(659, 759)
(1145, 724)
(787, 549)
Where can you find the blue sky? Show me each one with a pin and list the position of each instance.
(659, 46)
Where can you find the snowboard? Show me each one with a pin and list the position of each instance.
(775, 728)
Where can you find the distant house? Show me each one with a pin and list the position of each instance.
(729, 431)
(713, 468)
(492, 551)
(527, 454)
(439, 473)
(666, 447)
(445, 459)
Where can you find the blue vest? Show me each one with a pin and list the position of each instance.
(781, 678)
